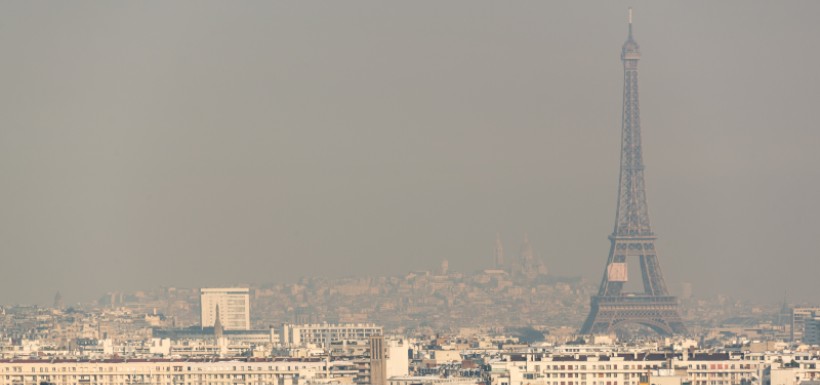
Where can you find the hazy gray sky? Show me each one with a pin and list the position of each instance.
(200, 143)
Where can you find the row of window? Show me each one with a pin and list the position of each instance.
(280, 382)
(64, 377)
(597, 367)
(592, 375)
(126, 368)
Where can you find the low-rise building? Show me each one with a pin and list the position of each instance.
(325, 334)
(278, 371)
(626, 369)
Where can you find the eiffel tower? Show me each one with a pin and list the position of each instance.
(633, 236)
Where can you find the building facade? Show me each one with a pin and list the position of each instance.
(233, 306)
(799, 317)
(281, 371)
(325, 334)
(378, 361)
(628, 369)
(811, 329)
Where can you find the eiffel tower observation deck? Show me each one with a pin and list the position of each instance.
(632, 238)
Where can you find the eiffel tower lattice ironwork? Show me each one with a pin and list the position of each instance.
(633, 237)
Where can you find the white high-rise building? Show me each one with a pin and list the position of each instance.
(234, 307)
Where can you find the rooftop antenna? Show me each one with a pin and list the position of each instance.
(630, 22)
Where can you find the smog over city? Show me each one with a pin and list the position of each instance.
(327, 182)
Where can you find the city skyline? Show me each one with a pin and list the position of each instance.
(152, 145)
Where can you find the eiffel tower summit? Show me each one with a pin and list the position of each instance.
(632, 238)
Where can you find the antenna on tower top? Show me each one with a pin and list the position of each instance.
(630, 22)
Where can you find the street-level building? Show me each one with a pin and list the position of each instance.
(277, 371)
(627, 369)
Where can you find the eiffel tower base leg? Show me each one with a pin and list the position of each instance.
(660, 313)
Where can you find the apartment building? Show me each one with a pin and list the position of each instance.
(325, 334)
(625, 369)
(279, 371)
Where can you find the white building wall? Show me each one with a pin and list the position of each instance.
(398, 365)
(159, 372)
(234, 307)
(324, 334)
(603, 370)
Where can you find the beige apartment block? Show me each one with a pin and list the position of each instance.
(279, 371)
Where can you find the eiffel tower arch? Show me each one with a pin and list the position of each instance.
(632, 238)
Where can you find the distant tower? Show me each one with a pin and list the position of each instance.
(58, 301)
(527, 256)
(499, 252)
(633, 236)
(378, 361)
(445, 267)
(784, 317)
(218, 329)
